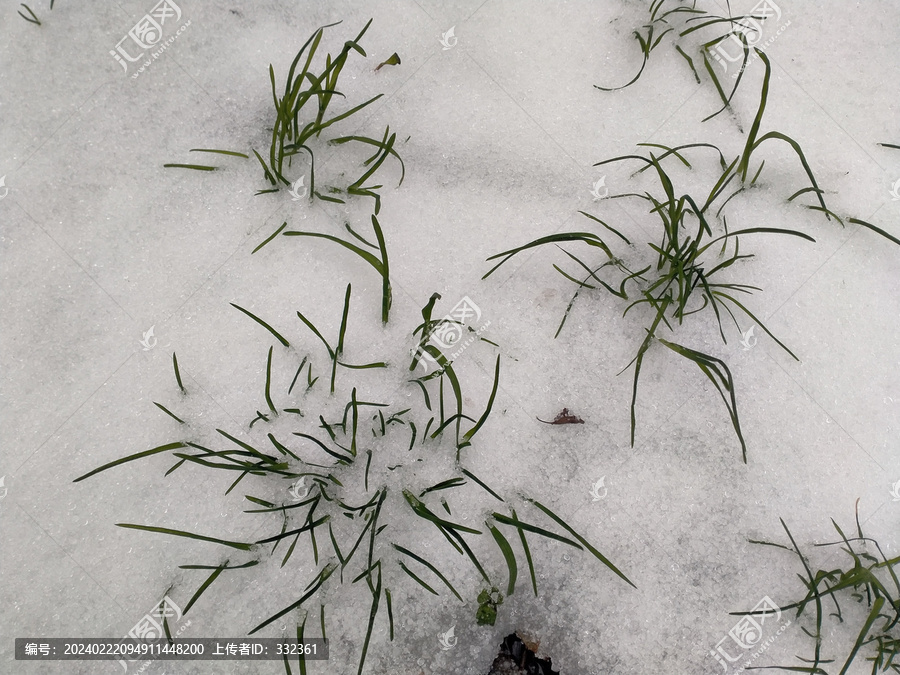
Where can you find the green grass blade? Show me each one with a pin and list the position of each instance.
(583, 541)
(443, 485)
(385, 273)
(363, 366)
(139, 455)
(316, 332)
(580, 284)
(189, 535)
(359, 237)
(301, 658)
(297, 374)
(669, 151)
(322, 577)
(378, 144)
(712, 75)
(390, 611)
(758, 173)
(756, 230)
(307, 527)
(168, 412)
(878, 230)
(861, 638)
(347, 114)
(281, 448)
(731, 19)
(527, 550)
(638, 361)
(744, 165)
(588, 238)
(796, 146)
(424, 393)
(175, 467)
(343, 458)
(719, 374)
(508, 555)
(468, 551)
(178, 373)
(592, 274)
(392, 60)
(270, 237)
(760, 323)
(487, 411)
(262, 323)
(506, 520)
(266, 172)
(690, 62)
(427, 564)
(269, 383)
(365, 255)
(257, 500)
(212, 577)
(33, 18)
(801, 192)
(421, 510)
(376, 600)
(608, 227)
(645, 50)
(195, 167)
(326, 198)
(249, 448)
(737, 81)
(342, 332)
(482, 484)
(417, 579)
(385, 150)
(222, 152)
(315, 38)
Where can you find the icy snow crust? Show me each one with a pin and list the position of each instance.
(499, 131)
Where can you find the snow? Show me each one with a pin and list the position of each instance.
(498, 133)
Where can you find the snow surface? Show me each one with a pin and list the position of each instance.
(100, 242)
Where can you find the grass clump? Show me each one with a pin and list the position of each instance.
(869, 578)
(685, 22)
(292, 133)
(354, 488)
(303, 110)
(696, 247)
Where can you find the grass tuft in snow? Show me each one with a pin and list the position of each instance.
(363, 496)
(684, 277)
(682, 280)
(869, 580)
(665, 16)
(303, 110)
